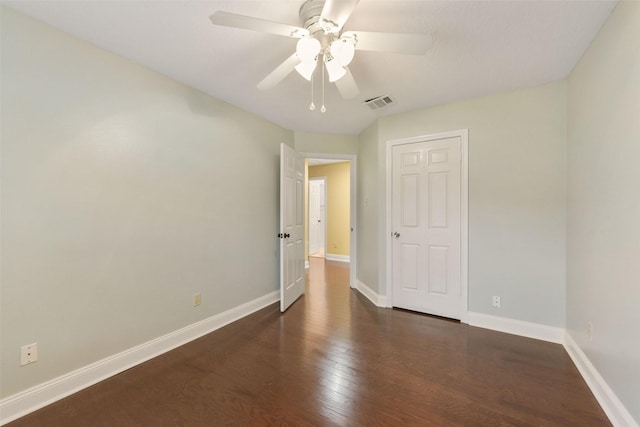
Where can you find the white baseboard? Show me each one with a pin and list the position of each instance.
(611, 405)
(334, 257)
(378, 300)
(27, 401)
(517, 327)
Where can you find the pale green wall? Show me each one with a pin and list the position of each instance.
(123, 193)
(367, 208)
(516, 196)
(325, 143)
(603, 235)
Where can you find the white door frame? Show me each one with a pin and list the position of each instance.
(464, 214)
(352, 208)
(324, 218)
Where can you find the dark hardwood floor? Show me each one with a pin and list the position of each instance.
(335, 359)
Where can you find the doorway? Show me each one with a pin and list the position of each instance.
(338, 245)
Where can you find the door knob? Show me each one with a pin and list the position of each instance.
(396, 234)
(287, 235)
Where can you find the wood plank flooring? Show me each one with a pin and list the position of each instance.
(334, 359)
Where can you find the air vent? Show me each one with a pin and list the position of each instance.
(379, 102)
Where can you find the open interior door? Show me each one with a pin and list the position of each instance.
(291, 226)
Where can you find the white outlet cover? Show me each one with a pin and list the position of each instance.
(28, 354)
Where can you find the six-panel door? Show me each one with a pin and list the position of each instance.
(426, 227)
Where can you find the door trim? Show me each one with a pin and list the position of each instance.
(353, 240)
(464, 214)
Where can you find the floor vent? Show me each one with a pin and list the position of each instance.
(379, 102)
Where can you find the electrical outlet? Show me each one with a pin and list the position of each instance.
(495, 301)
(28, 354)
(590, 331)
(197, 299)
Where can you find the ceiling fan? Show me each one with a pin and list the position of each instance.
(321, 37)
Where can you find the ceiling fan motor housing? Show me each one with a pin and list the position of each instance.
(325, 31)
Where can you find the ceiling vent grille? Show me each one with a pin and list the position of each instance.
(379, 102)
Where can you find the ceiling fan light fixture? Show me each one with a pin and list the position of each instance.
(308, 48)
(306, 68)
(343, 50)
(334, 69)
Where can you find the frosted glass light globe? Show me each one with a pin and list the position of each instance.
(308, 48)
(343, 50)
(307, 67)
(334, 69)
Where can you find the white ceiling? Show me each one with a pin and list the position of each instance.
(480, 47)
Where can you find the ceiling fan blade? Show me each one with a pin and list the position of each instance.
(256, 24)
(347, 86)
(338, 11)
(411, 44)
(279, 73)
